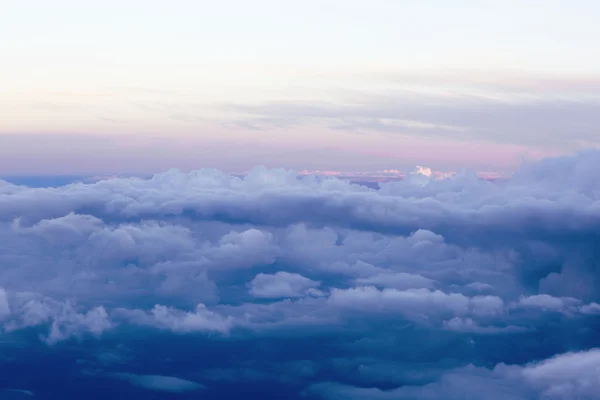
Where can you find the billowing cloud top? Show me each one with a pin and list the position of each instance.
(279, 285)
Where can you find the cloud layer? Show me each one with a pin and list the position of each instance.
(293, 286)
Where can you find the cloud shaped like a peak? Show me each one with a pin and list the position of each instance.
(426, 286)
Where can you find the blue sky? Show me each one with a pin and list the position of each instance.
(343, 85)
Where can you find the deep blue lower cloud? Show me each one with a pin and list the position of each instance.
(274, 286)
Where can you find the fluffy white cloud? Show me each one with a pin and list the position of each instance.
(566, 376)
(201, 320)
(547, 302)
(283, 284)
(571, 375)
(63, 319)
(413, 302)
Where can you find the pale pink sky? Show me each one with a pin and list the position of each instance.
(141, 86)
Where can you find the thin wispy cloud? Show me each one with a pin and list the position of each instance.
(565, 123)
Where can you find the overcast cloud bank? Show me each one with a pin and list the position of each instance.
(279, 284)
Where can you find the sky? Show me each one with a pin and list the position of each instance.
(139, 87)
(238, 200)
